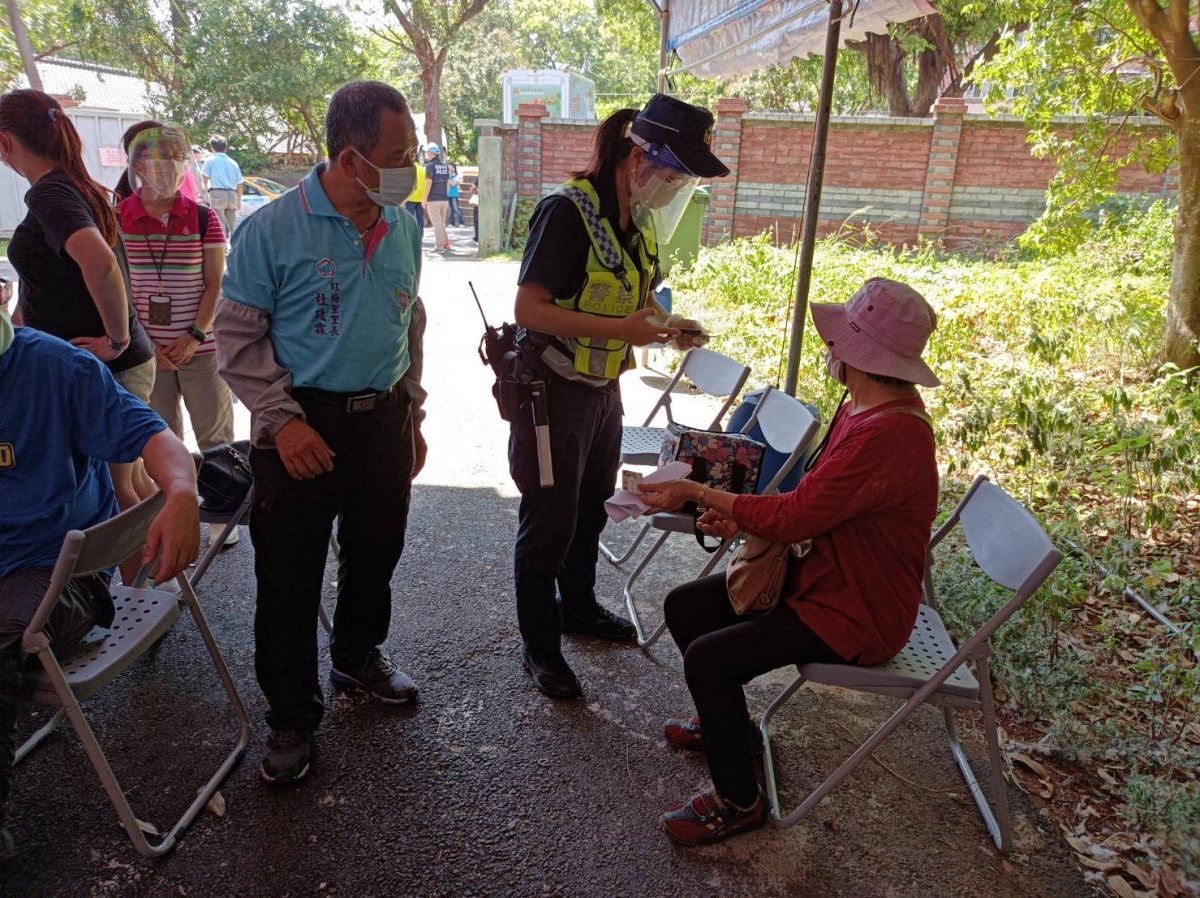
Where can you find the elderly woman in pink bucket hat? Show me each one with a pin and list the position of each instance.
(866, 503)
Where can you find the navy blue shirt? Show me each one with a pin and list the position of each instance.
(62, 417)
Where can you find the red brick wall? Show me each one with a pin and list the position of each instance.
(955, 177)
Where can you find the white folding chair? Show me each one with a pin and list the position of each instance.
(788, 427)
(711, 373)
(1010, 547)
(143, 616)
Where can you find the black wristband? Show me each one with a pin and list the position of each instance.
(197, 333)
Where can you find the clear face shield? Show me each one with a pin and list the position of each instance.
(158, 160)
(660, 191)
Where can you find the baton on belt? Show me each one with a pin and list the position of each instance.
(541, 427)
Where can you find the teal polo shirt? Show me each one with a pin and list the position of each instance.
(339, 310)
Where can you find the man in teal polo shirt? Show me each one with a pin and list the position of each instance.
(319, 334)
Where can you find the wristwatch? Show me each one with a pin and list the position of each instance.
(197, 333)
(117, 345)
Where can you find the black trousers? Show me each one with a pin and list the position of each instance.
(368, 493)
(558, 538)
(722, 652)
(84, 602)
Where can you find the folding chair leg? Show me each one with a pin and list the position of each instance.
(322, 614)
(765, 728)
(637, 541)
(323, 617)
(36, 739)
(847, 767)
(644, 641)
(997, 822)
(215, 546)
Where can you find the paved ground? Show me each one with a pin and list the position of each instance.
(486, 788)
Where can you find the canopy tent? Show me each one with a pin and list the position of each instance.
(723, 38)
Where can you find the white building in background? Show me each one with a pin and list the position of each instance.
(109, 102)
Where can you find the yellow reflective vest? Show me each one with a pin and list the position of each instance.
(616, 284)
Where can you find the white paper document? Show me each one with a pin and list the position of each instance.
(628, 503)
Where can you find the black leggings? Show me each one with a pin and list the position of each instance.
(722, 652)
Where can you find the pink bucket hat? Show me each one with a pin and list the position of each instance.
(882, 329)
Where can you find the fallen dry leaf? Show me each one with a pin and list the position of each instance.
(216, 804)
(1026, 761)
(1120, 887)
(1140, 875)
(1168, 883)
(1107, 865)
(1047, 790)
(148, 828)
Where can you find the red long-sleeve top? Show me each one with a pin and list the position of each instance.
(868, 506)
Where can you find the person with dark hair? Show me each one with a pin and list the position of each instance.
(223, 182)
(176, 252)
(859, 520)
(53, 480)
(319, 334)
(66, 254)
(584, 299)
(452, 191)
(435, 200)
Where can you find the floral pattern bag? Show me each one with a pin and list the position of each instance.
(725, 461)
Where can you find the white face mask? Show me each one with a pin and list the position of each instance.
(836, 367)
(395, 184)
(162, 177)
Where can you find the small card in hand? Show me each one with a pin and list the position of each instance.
(630, 480)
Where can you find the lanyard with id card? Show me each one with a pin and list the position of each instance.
(160, 303)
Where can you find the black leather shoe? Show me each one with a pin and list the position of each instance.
(551, 673)
(600, 623)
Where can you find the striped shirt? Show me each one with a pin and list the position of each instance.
(166, 258)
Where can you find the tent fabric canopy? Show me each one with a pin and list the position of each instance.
(725, 38)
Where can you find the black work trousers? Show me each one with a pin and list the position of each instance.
(722, 652)
(558, 538)
(368, 493)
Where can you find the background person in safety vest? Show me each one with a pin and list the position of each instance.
(584, 297)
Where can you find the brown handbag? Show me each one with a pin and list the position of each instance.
(755, 575)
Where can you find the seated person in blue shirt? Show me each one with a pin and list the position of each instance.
(62, 420)
(319, 334)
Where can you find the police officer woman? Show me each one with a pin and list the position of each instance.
(584, 298)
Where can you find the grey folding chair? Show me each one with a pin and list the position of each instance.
(143, 616)
(1010, 547)
(711, 373)
(788, 426)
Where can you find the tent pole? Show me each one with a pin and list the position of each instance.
(22, 40)
(812, 195)
(664, 16)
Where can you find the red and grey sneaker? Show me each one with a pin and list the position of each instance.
(683, 732)
(706, 818)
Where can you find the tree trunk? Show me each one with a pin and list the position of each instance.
(1183, 306)
(431, 88)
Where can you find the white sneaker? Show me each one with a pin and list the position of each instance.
(216, 531)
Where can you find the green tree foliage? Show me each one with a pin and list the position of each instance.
(1108, 61)
(47, 24)
(427, 29)
(258, 70)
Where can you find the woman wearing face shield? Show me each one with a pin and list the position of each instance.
(176, 253)
(584, 298)
(863, 512)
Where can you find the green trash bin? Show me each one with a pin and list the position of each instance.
(684, 244)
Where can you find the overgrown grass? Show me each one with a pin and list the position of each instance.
(1050, 386)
